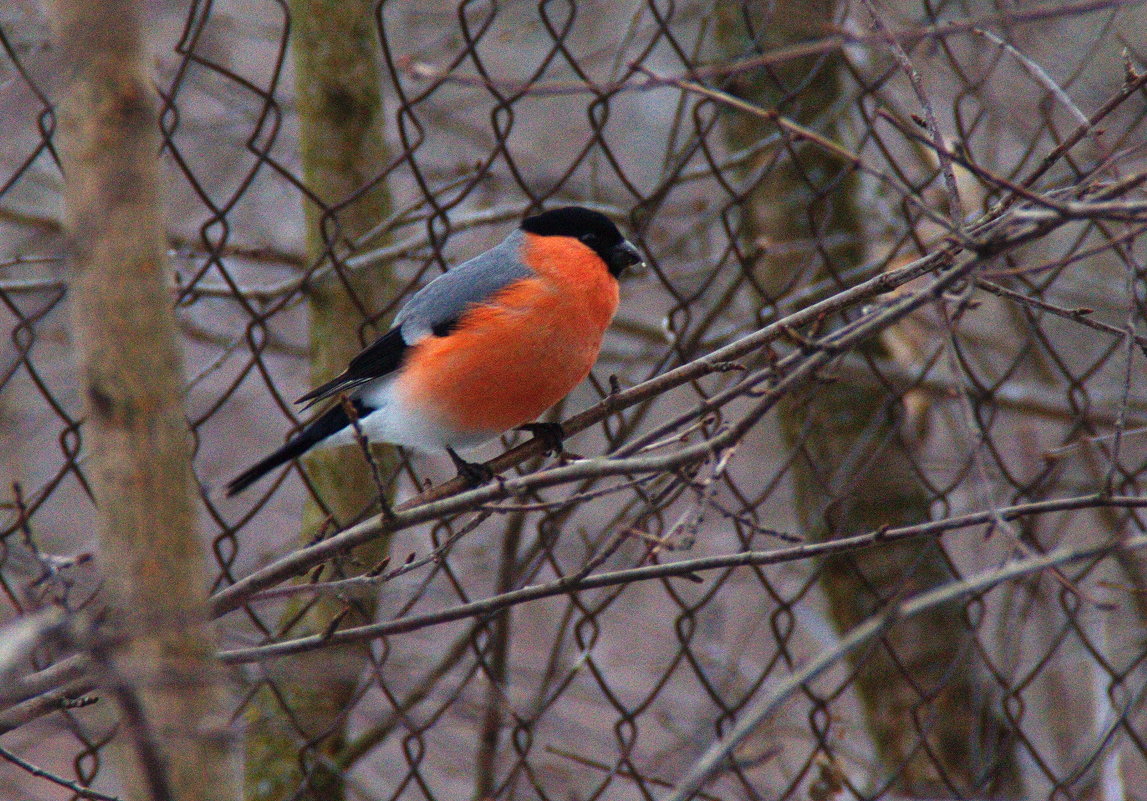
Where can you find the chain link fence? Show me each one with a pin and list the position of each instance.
(865, 464)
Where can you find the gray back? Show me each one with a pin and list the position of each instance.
(473, 281)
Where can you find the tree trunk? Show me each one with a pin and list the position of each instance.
(337, 79)
(927, 711)
(161, 667)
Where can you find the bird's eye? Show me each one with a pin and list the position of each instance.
(589, 239)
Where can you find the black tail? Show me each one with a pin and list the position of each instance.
(331, 421)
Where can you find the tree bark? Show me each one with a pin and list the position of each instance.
(337, 80)
(929, 714)
(161, 666)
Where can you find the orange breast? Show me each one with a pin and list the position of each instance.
(522, 351)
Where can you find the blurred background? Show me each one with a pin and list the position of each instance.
(321, 161)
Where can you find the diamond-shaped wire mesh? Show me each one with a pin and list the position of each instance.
(764, 157)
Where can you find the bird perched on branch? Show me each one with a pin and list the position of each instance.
(484, 348)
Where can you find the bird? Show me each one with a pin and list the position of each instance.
(484, 348)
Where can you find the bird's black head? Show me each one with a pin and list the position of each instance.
(590, 228)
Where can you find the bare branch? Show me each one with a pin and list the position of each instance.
(690, 567)
(750, 718)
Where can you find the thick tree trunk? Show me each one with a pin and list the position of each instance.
(338, 80)
(928, 713)
(162, 668)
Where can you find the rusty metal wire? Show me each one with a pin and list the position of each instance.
(976, 165)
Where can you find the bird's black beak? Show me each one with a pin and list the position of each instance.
(621, 256)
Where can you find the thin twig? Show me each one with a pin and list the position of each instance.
(70, 786)
(908, 37)
(1130, 87)
(955, 204)
(68, 696)
(794, 129)
(1079, 314)
(685, 567)
(1037, 72)
(1134, 269)
(839, 40)
(368, 584)
(796, 132)
(620, 770)
(364, 445)
(749, 719)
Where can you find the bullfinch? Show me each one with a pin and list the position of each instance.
(483, 348)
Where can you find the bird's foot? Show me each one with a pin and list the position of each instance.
(473, 473)
(551, 434)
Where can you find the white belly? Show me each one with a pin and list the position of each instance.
(393, 421)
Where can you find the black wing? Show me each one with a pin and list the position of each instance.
(382, 356)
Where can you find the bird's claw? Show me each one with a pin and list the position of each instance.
(551, 434)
